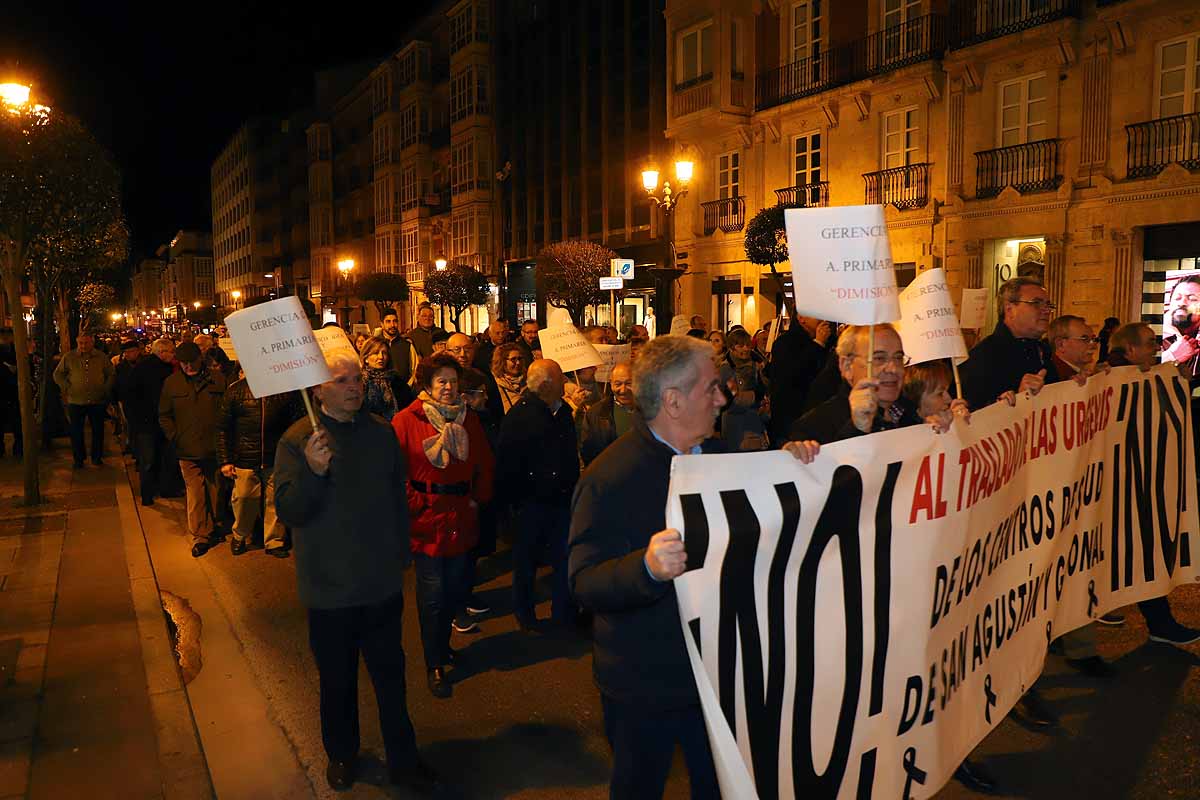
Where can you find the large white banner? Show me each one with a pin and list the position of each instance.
(842, 260)
(568, 347)
(858, 625)
(276, 347)
(928, 325)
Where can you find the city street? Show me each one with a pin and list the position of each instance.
(525, 721)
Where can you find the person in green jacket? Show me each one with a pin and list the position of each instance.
(187, 414)
(85, 378)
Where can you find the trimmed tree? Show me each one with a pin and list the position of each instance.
(457, 287)
(93, 298)
(384, 289)
(60, 214)
(766, 245)
(571, 275)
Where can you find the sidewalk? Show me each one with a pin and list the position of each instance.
(91, 701)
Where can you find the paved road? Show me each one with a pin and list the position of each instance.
(525, 720)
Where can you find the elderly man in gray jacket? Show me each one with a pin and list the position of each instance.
(85, 378)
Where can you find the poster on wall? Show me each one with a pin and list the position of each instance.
(1181, 319)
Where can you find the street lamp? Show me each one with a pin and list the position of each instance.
(14, 95)
(116, 317)
(440, 264)
(196, 304)
(345, 267)
(236, 295)
(667, 199)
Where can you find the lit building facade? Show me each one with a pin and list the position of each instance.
(1057, 138)
(188, 275)
(146, 291)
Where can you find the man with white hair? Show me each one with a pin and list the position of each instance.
(622, 561)
(537, 466)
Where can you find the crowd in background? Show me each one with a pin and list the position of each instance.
(460, 440)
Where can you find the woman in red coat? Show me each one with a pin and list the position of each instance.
(450, 468)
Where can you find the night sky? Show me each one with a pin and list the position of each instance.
(164, 90)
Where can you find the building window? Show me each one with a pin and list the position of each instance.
(901, 136)
(694, 55)
(462, 167)
(1178, 89)
(468, 92)
(414, 124)
(737, 56)
(1022, 115)
(807, 159)
(807, 29)
(901, 34)
(462, 234)
(467, 26)
(729, 175)
(408, 189)
(383, 143)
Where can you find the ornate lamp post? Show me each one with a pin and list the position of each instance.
(237, 296)
(667, 198)
(345, 267)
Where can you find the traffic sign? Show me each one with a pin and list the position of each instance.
(611, 283)
(622, 268)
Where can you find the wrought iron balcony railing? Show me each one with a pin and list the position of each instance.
(1154, 144)
(903, 187)
(804, 195)
(691, 96)
(911, 42)
(1029, 167)
(728, 215)
(974, 21)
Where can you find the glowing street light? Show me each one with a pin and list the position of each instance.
(14, 95)
(196, 304)
(345, 266)
(116, 316)
(440, 264)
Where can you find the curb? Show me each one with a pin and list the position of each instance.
(181, 757)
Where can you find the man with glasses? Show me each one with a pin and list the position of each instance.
(1013, 357)
(864, 404)
(1073, 346)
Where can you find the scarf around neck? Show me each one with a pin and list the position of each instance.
(451, 440)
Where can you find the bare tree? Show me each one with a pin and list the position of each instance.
(572, 275)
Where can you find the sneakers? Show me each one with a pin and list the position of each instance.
(1175, 634)
(1092, 666)
(280, 552)
(340, 775)
(237, 546)
(200, 548)
(1112, 618)
(476, 607)
(464, 624)
(439, 687)
(975, 777)
(1034, 711)
(419, 778)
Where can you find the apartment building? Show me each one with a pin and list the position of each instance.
(188, 275)
(146, 290)
(581, 109)
(1058, 138)
(260, 210)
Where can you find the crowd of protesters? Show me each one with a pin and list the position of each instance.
(429, 446)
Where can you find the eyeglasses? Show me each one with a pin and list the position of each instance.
(1088, 339)
(881, 361)
(1039, 304)
(456, 349)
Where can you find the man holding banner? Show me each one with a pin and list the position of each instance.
(622, 564)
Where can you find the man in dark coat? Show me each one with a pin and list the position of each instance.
(157, 474)
(248, 430)
(403, 355)
(497, 334)
(1013, 358)
(337, 490)
(187, 414)
(796, 358)
(537, 467)
(422, 335)
(611, 418)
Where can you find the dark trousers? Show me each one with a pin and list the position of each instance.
(541, 527)
(10, 421)
(643, 743)
(337, 636)
(441, 591)
(1157, 612)
(147, 445)
(483, 548)
(95, 415)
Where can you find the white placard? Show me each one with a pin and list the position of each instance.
(361, 327)
(622, 268)
(565, 345)
(610, 356)
(680, 324)
(557, 316)
(973, 308)
(226, 345)
(842, 258)
(608, 284)
(276, 347)
(332, 340)
(928, 325)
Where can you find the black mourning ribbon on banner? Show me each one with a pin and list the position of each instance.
(1049, 638)
(915, 774)
(990, 697)
(1092, 600)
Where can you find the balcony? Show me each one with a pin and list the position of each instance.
(1030, 167)
(691, 96)
(975, 21)
(806, 195)
(728, 215)
(464, 110)
(1155, 144)
(903, 187)
(912, 42)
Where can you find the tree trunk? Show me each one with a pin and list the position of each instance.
(64, 323)
(29, 434)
